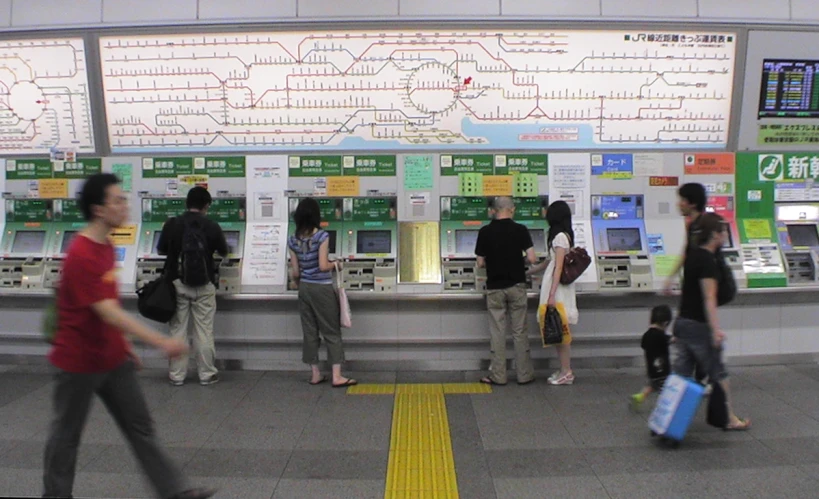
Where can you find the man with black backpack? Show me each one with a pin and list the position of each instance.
(189, 242)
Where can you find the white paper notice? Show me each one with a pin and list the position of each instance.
(266, 182)
(265, 252)
(570, 181)
(648, 165)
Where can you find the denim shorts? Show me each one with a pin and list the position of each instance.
(695, 348)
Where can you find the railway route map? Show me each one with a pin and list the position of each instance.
(44, 98)
(411, 90)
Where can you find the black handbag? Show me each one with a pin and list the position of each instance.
(552, 333)
(717, 408)
(726, 285)
(157, 300)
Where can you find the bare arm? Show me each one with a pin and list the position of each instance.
(530, 256)
(709, 293)
(481, 262)
(295, 272)
(560, 255)
(111, 313)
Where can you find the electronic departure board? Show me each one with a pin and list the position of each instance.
(790, 89)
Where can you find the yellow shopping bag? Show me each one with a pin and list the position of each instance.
(541, 321)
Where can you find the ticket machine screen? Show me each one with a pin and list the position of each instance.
(28, 241)
(538, 239)
(624, 239)
(729, 239)
(232, 238)
(374, 241)
(332, 240)
(68, 236)
(803, 235)
(155, 242)
(465, 241)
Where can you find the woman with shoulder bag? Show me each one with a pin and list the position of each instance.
(560, 241)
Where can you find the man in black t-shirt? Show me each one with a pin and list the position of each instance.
(501, 248)
(691, 203)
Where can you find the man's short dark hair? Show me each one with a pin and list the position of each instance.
(695, 194)
(198, 198)
(661, 314)
(94, 192)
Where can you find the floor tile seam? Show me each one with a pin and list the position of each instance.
(483, 447)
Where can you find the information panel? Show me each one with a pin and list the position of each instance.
(391, 90)
(44, 91)
(790, 88)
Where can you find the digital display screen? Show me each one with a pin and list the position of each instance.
(803, 235)
(729, 238)
(789, 89)
(68, 236)
(538, 239)
(374, 241)
(465, 241)
(627, 239)
(28, 241)
(232, 238)
(155, 242)
(332, 241)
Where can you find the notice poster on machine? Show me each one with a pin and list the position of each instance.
(264, 257)
(266, 183)
(570, 181)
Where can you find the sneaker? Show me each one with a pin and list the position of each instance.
(566, 379)
(637, 401)
(210, 381)
(177, 382)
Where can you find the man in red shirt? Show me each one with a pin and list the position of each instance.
(93, 356)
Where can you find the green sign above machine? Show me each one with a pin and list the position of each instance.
(28, 169)
(464, 208)
(158, 210)
(228, 210)
(374, 165)
(229, 166)
(81, 168)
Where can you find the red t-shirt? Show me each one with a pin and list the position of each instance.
(84, 343)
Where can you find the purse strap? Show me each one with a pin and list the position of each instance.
(339, 282)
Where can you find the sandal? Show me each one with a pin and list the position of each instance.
(743, 425)
(320, 381)
(349, 382)
(489, 381)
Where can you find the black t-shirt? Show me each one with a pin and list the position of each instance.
(699, 264)
(503, 243)
(692, 233)
(655, 345)
(170, 243)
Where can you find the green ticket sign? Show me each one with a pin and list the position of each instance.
(788, 167)
(315, 166)
(158, 210)
(81, 168)
(28, 169)
(464, 208)
(521, 163)
(166, 167)
(228, 210)
(467, 163)
(370, 209)
(777, 135)
(232, 166)
(68, 211)
(381, 165)
(29, 210)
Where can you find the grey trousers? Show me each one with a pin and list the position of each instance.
(320, 317)
(197, 305)
(511, 303)
(120, 392)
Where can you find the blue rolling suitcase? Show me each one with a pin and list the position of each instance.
(675, 409)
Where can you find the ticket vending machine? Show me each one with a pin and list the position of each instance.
(331, 210)
(620, 240)
(230, 212)
(796, 226)
(26, 237)
(369, 243)
(155, 211)
(461, 219)
(531, 212)
(68, 221)
(732, 250)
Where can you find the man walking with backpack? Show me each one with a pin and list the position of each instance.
(189, 242)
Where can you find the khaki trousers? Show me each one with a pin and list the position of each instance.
(501, 303)
(199, 304)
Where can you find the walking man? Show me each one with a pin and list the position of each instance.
(189, 242)
(93, 356)
(500, 248)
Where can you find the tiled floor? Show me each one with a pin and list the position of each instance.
(270, 435)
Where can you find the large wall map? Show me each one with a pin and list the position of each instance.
(404, 90)
(44, 100)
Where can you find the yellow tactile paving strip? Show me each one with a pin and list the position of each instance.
(421, 464)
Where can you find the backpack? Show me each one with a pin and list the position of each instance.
(726, 285)
(194, 253)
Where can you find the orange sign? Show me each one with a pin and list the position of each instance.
(343, 186)
(663, 181)
(721, 163)
(497, 185)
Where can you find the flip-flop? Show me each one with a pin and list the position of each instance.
(743, 425)
(320, 381)
(349, 382)
(489, 381)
